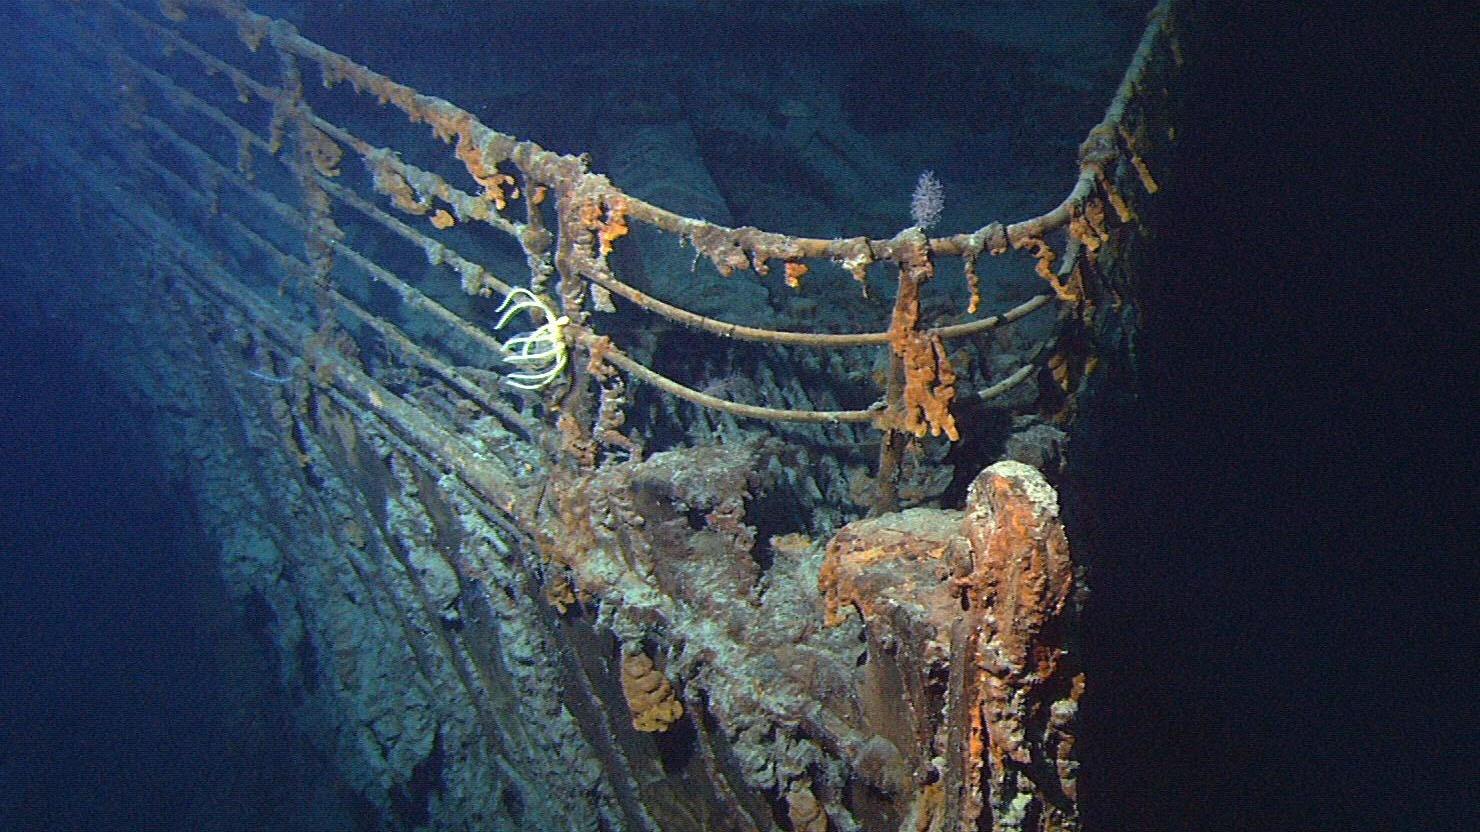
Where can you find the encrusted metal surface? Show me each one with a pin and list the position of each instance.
(513, 592)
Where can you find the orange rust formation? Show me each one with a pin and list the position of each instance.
(929, 379)
(867, 560)
(649, 694)
(794, 274)
(1024, 585)
(613, 227)
(990, 597)
(498, 187)
(389, 181)
(803, 810)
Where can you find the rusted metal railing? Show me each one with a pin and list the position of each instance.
(592, 214)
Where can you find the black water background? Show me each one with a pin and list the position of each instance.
(1284, 620)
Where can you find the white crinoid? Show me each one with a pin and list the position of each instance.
(540, 353)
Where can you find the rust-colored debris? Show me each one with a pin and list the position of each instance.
(649, 694)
